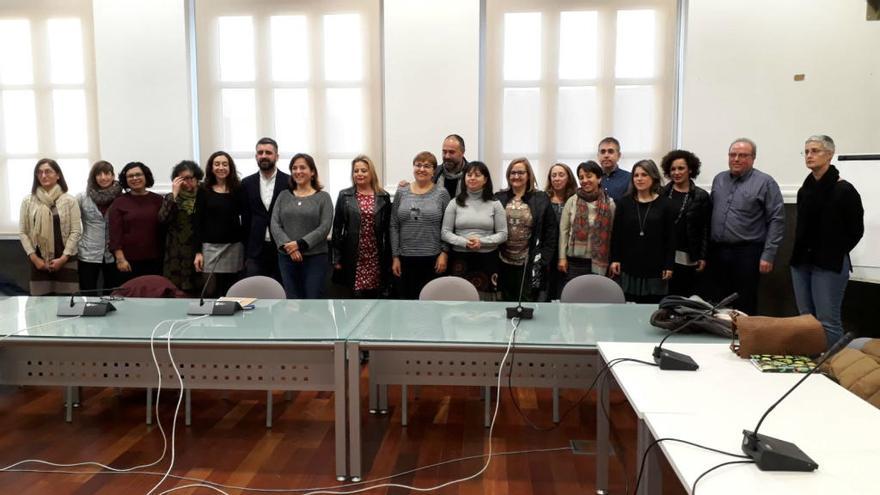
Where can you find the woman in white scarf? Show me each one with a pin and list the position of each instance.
(49, 230)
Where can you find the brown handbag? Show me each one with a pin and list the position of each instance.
(798, 335)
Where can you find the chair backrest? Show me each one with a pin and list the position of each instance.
(149, 286)
(257, 286)
(449, 289)
(592, 288)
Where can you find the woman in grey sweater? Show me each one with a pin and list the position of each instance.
(475, 225)
(301, 220)
(416, 220)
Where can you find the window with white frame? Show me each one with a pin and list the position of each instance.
(563, 74)
(304, 72)
(47, 96)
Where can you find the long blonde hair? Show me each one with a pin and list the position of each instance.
(374, 177)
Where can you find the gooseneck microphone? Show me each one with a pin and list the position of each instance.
(519, 311)
(671, 360)
(773, 454)
(216, 307)
(86, 307)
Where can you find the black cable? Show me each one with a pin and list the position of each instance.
(668, 439)
(713, 468)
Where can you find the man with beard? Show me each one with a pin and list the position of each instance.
(259, 193)
(450, 173)
(616, 180)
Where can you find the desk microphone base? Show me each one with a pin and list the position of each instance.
(773, 454)
(214, 308)
(85, 308)
(520, 312)
(671, 360)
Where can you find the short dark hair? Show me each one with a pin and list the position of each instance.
(148, 174)
(52, 163)
(232, 182)
(487, 194)
(458, 138)
(316, 184)
(650, 168)
(99, 167)
(591, 167)
(185, 165)
(268, 140)
(611, 140)
(693, 162)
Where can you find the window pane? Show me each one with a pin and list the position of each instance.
(15, 52)
(239, 119)
(69, 115)
(19, 178)
(65, 51)
(577, 125)
(340, 177)
(236, 43)
(20, 121)
(292, 118)
(522, 46)
(635, 118)
(578, 45)
(521, 117)
(345, 120)
(636, 43)
(343, 47)
(76, 173)
(290, 48)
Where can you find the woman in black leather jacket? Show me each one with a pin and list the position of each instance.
(692, 212)
(361, 233)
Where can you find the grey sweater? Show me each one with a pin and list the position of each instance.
(306, 220)
(416, 220)
(485, 220)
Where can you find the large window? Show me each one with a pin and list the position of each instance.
(47, 97)
(303, 72)
(560, 75)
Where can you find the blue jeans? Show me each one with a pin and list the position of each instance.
(305, 279)
(820, 292)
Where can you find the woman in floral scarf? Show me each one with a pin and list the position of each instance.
(95, 258)
(177, 213)
(49, 230)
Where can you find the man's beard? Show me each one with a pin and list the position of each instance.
(266, 164)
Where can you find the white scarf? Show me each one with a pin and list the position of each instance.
(43, 229)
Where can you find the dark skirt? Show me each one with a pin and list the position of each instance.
(480, 269)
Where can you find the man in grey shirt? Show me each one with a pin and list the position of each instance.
(748, 222)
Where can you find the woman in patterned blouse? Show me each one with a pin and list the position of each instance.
(361, 234)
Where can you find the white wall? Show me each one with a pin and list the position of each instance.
(142, 74)
(740, 62)
(432, 85)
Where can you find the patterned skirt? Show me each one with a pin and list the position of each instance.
(222, 259)
(64, 281)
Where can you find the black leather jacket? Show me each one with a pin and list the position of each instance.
(697, 215)
(347, 232)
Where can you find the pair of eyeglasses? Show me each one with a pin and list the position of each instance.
(134, 176)
(740, 156)
(812, 152)
(518, 172)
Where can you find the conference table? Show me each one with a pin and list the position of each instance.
(727, 394)
(279, 345)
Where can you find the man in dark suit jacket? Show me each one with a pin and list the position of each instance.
(260, 192)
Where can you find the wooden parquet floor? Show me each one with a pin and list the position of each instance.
(229, 444)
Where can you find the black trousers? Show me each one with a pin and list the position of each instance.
(90, 272)
(684, 280)
(735, 268)
(415, 273)
(265, 264)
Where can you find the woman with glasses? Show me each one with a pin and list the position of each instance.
(475, 225)
(135, 233)
(178, 214)
(532, 234)
(49, 231)
(95, 258)
(561, 185)
(218, 232)
(361, 242)
(691, 210)
(830, 223)
(301, 220)
(643, 240)
(418, 253)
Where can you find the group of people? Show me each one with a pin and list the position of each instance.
(521, 242)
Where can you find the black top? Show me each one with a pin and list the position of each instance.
(254, 215)
(692, 221)
(643, 239)
(830, 221)
(217, 218)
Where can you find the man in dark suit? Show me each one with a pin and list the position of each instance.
(260, 191)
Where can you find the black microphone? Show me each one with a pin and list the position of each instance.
(519, 311)
(773, 454)
(86, 307)
(215, 308)
(671, 360)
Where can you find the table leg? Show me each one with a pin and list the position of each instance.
(404, 403)
(339, 394)
(269, 404)
(383, 399)
(487, 406)
(652, 478)
(149, 406)
(603, 449)
(354, 412)
(556, 405)
(187, 407)
(68, 404)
